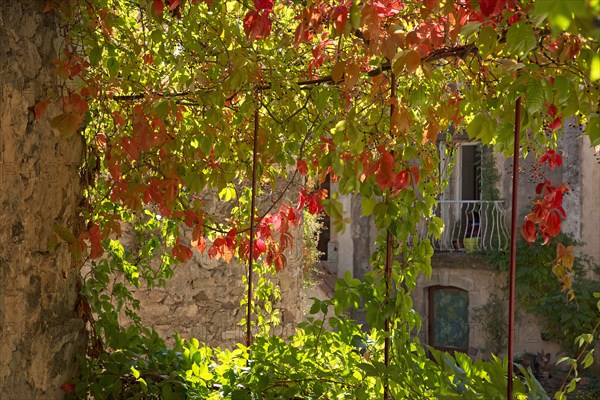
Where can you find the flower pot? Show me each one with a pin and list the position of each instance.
(472, 244)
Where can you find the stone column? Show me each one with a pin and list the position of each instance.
(40, 333)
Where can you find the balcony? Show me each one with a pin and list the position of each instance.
(472, 226)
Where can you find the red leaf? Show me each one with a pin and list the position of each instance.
(181, 253)
(414, 170)
(68, 387)
(528, 231)
(491, 8)
(263, 5)
(257, 25)
(191, 218)
(259, 248)
(402, 180)
(384, 175)
(159, 7)
(49, 6)
(96, 242)
(174, 5)
(552, 110)
(340, 18)
(40, 108)
(302, 167)
(556, 124)
(148, 59)
(387, 8)
(552, 158)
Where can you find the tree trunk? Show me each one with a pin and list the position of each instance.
(40, 334)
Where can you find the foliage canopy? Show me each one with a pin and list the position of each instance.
(179, 98)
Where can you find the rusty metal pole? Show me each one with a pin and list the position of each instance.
(513, 250)
(252, 216)
(386, 328)
(388, 260)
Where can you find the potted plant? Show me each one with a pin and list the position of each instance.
(472, 238)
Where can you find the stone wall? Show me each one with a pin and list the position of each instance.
(40, 333)
(202, 299)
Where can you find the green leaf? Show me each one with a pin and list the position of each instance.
(64, 233)
(135, 372)
(228, 193)
(486, 40)
(520, 39)
(469, 29)
(561, 14)
(595, 68)
(113, 66)
(435, 227)
(204, 373)
(95, 55)
(368, 204)
(592, 129)
(589, 359)
(482, 127)
(534, 96)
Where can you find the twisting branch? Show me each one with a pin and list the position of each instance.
(445, 52)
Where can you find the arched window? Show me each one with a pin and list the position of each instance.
(448, 319)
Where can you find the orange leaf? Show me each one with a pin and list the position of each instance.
(384, 176)
(412, 60)
(351, 75)
(66, 124)
(337, 72)
(200, 244)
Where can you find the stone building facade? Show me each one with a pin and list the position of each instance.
(464, 277)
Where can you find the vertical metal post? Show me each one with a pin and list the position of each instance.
(388, 260)
(513, 249)
(386, 328)
(252, 210)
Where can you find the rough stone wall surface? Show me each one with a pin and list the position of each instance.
(39, 186)
(576, 172)
(590, 201)
(202, 299)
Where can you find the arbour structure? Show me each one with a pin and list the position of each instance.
(172, 96)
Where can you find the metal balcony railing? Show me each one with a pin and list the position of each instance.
(472, 226)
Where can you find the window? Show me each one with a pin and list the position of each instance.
(448, 319)
(325, 235)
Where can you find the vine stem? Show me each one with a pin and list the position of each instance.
(513, 249)
(252, 208)
(581, 353)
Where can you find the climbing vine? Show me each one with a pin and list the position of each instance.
(182, 102)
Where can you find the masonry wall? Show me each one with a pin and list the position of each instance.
(202, 300)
